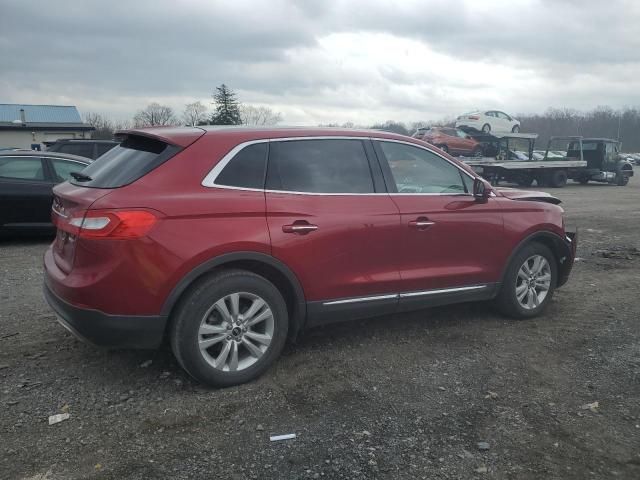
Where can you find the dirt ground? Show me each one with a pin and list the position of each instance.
(410, 396)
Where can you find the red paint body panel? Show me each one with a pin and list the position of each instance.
(351, 254)
(363, 244)
(465, 245)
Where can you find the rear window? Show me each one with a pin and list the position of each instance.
(124, 164)
(246, 169)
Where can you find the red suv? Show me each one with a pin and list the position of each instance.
(450, 140)
(230, 240)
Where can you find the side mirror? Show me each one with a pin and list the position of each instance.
(480, 190)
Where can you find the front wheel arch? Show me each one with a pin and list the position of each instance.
(551, 240)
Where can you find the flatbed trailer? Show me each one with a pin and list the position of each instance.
(598, 163)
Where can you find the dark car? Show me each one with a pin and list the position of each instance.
(229, 240)
(26, 182)
(83, 148)
(450, 140)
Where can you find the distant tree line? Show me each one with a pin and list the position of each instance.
(227, 110)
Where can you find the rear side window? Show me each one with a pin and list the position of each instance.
(319, 166)
(132, 159)
(80, 149)
(246, 169)
(22, 168)
(63, 168)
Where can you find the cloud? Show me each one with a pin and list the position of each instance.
(319, 62)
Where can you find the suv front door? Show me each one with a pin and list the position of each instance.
(332, 223)
(449, 243)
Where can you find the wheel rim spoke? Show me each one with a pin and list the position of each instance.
(211, 341)
(259, 337)
(251, 347)
(235, 304)
(233, 361)
(259, 318)
(521, 292)
(224, 311)
(257, 304)
(207, 329)
(222, 357)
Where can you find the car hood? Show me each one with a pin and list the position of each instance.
(530, 195)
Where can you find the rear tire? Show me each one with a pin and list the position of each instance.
(486, 128)
(558, 179)
(216, 314)
(525, 182)
(444, 148)
(514, 285)
(583, 181)
(477, 152)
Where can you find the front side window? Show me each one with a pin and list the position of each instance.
(246, 169)
(63, 168)
(21, 168)
(416, 170)
(319, 166)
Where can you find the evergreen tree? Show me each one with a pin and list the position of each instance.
(227, 108)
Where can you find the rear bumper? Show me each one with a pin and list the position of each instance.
(106, 330)
(566, 261)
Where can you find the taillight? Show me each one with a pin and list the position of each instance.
(112, 224)
(474, 117)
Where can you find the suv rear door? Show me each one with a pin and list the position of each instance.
(449, 244)
(332, 223)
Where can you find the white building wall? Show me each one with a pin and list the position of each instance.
(25, 138)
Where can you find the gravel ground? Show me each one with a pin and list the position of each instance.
(456, 392)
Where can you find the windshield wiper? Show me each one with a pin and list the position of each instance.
(81, 177)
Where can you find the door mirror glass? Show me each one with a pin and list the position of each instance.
(480, 190)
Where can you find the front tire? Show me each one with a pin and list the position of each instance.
(229, 328)
(621, 180)
(486, 128)
(529, 282)
(515, 129)
(444, 148)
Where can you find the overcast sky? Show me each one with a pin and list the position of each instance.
(323, 61)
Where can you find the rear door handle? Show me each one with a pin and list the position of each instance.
(299, 227)
(421, 223)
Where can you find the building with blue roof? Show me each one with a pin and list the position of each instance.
(33, 126)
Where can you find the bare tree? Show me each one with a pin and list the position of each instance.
(260, 116)
(104, 127)
(194, 114)
(155, 115)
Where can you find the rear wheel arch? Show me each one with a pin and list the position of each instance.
(261, 264)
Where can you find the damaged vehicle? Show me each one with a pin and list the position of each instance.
(229, 241)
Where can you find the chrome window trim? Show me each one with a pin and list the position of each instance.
(404, 295)
(209, 180)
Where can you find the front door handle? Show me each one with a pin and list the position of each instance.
(299, 227)
(421, 223)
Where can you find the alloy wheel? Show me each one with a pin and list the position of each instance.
(533, 282)
(236, 331)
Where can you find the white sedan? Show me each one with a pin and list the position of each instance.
(488, 121)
